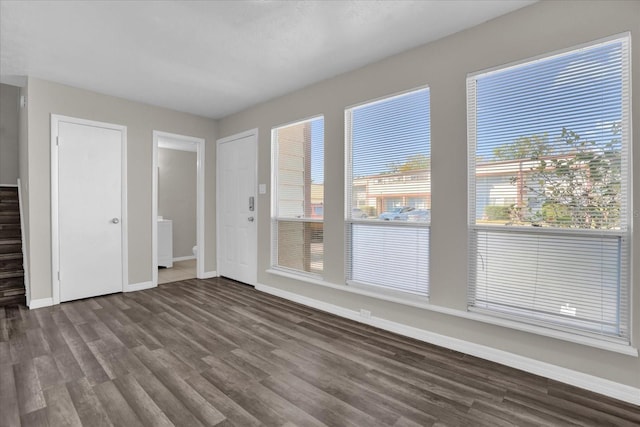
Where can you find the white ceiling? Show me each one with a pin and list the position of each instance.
(213, 58)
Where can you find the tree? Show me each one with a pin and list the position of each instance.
(534, 147)
(413, 163)
(576, 182)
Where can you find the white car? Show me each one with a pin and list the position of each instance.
(396, 214)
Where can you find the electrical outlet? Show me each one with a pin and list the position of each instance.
(365, 313)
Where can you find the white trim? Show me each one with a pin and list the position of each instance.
(184, 143)
(569, 376)
(184, 258)
(180, 145)
(625, 236)
(252, 132)
(209, 274)
(550, 55)
(39, 303)
(411, 301)
(11, 185)
(25, 258)
(132, 287)
(55, 236)
(385, 98)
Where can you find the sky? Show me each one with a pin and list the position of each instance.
(580, 91)
(384, 132)
(389, 132)
(317, 151)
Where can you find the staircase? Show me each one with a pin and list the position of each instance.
(11, 270)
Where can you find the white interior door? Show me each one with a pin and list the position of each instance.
(237, 208)
(89, 210)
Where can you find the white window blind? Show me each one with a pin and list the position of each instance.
(549, 186)
(298, 196)
(388, 193)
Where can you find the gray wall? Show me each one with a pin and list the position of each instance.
(177, 196)
(443, 65)
(9, 97)
(46, 98)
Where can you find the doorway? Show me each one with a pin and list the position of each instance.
(177, 254)
(89, 210)
(237, 207)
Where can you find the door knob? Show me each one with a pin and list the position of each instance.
(250, 219)
(115, 220)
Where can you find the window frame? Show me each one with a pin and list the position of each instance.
(394, 294)
(625, 234)
(275, 219)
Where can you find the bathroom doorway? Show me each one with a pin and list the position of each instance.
(177, 207)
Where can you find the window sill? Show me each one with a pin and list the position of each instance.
(410, 300)
(615, 347)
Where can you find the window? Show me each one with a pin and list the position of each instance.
(549, 190)
(388, 193)
(298, 196)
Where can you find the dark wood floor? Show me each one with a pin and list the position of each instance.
(214, 352)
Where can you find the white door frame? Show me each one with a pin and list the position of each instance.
(200, 166)
(56, 119)
(254, 133)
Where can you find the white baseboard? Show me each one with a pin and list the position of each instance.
(41, 302)
(579, 379)
(209, 274)
(138, 286)
(183, 258)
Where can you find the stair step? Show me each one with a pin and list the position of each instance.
(8, 192)
(11, 274)
(12, 282)
(10, 248)
(11, 291)
(10, 242)
(10, 231)
(8, 206)
(9, 226)
(10, 264)
(10, 234)
(9, 218)
(13, 300)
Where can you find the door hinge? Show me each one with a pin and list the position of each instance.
(58, 276)
(57, 140)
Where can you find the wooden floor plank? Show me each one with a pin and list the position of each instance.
(222, 402)
(35, 419)
(168, 403)
(88, 406)
(322, 406)
(29, 390)
(8, 398)
(215, 352)
(146, 409)
(116, 406)
(60, 408)
(190, 398)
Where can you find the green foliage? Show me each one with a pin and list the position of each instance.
(576, 181)
(525, 147)
(556, 214)
(498, 213)
(370, 211)
(413, 163)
